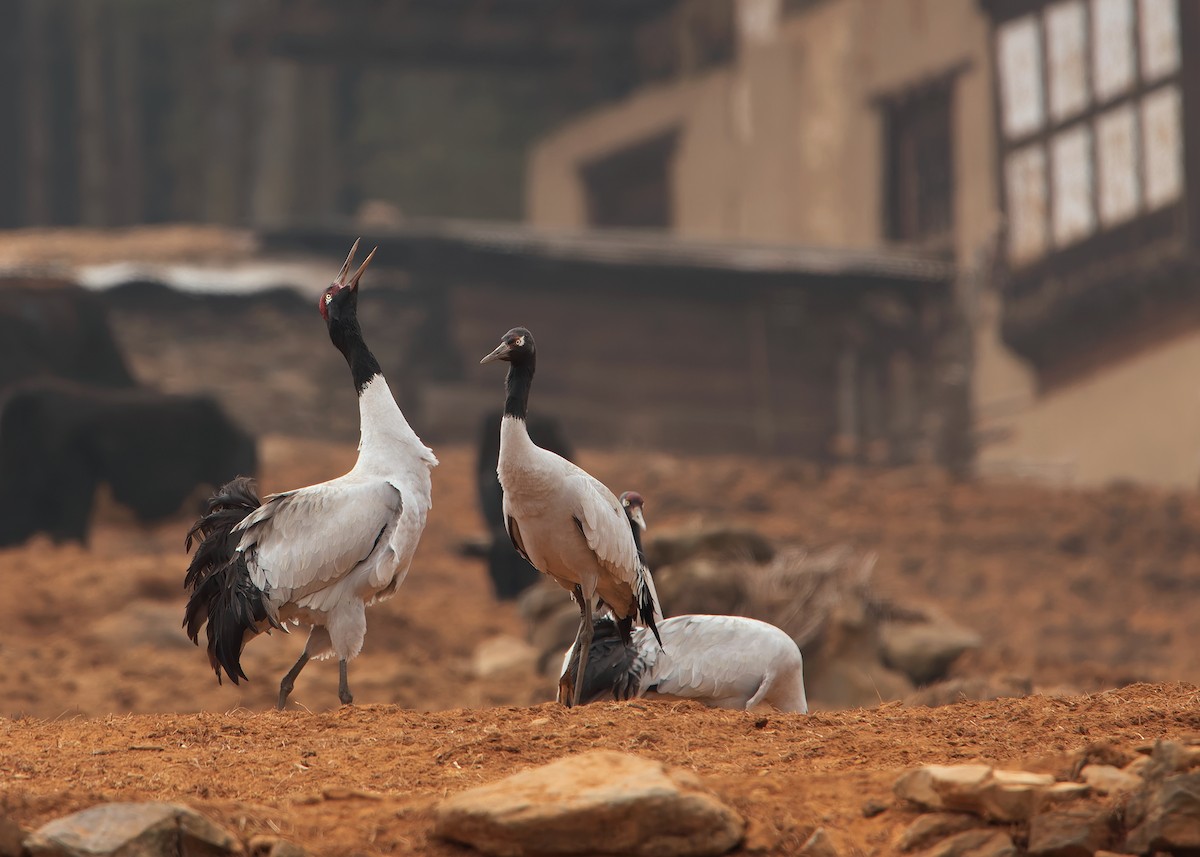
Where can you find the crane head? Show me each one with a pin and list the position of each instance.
(633, 502)
(515, 346)
(343, 291)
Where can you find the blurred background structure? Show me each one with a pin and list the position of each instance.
(952, 232)
(827, 271)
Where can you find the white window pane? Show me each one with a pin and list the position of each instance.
(1116, 156)
(1071, 168)
(1019, 55)
(1160, 38)
(1112, 54)
(1162, 147)
(1066, 39)
(1025, 186)
(758, 20)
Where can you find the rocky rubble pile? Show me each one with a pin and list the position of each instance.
(1114, 802)
(1100, 801)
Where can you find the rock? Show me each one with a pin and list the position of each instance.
(133, 830)
(662, 551)
(141, 623)
(700, 584)
(985, 842)
(553, 636)
(970, 689)
(872, 808)
(943, 786)
(1070, 832)
(504, 655)
(992, 794)
(537, 602)
(1108, 780)
(932, 826)
(1138, 766)
(924, 650)
(273, 846)
(1167, 757)
(11, 837)
(596, 802)
(846, 672)
(1017, 795)
(818, 845)
(1166, 817)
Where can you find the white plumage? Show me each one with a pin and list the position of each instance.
(722, 661)
(316, 555)
(560, 518)
(321, 554)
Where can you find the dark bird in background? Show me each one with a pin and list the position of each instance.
(721, 661)
(560, 518)
(318, 555)
(509, 572)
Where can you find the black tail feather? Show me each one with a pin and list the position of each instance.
(648, 605)
(223, 596)
(610, 660)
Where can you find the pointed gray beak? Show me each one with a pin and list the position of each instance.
(501, 349)
(638, 518)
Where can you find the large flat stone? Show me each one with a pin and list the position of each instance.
(151, 829)
(599, 803)
(1070, 832)
(1168, 817)
(993, 794)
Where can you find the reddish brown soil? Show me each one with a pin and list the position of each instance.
(107, 700)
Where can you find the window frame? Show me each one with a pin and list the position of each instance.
(891, 106)
(1167, 223)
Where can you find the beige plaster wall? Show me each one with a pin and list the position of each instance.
(786, 145)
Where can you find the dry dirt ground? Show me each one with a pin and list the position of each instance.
(106, 700)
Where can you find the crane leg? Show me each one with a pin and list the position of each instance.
(289, 680)
(344, 693)
(584, 641)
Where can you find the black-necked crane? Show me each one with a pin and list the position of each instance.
(721, 661)
(564, 521)
(318, 555)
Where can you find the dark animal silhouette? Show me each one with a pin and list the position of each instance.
(59, 441)
(510, 573)
(52, 329)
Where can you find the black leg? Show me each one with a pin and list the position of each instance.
(344, 694)
(289, 680)
(584, 642)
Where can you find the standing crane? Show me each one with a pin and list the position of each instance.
(316, 555)
(560, 518)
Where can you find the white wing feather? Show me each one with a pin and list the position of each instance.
(716, 658)
(304, 540)
(604, 526)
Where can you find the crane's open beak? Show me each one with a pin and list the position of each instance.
(637, 517)
(501, 349)
(352, 282)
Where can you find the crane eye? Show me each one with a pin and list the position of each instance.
(328, 298)
(519, 341)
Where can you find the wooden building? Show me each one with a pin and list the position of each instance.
(1048, 148)
(651, 340)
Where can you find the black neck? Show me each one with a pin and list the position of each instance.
(347, 336)
(516, 388)
(637, 540)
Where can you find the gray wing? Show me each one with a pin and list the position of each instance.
(711, 657)
(301, 541)
(605, 527)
